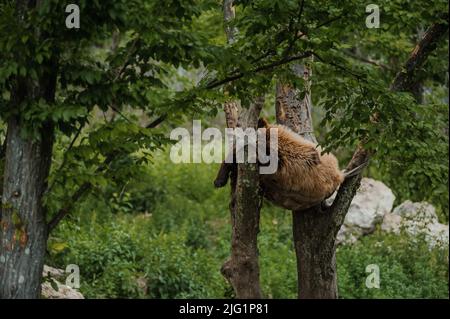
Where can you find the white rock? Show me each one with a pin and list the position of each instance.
(417, 219)
(52, 288)
(62, 291)
(372, 201)
(391, 223)
(52, 272)
(437, 235)
(421, 211)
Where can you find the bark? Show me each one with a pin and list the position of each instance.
(315, 251)
(315, 229)
(242, 268)
(293, 112)
(23, 236)
(23, 228)
(2, 160)
(406, 78)
(228, 16)
(314, 241)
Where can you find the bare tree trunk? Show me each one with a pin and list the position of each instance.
(242, 268)
(315, 251)
(23, 227)
(293, 112)
(315, 229)
(23, 235)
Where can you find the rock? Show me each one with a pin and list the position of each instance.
(52, 288)
(347, 235)
(59, 291)
(437, 235)
(372, 201)
(417, 219)
(372, 205)
(53, 272)
(422, 211)
(391, 223)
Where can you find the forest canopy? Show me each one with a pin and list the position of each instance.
(86, 114)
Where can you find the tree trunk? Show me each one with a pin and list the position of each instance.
(315, 229)
(314, 245)
(293, 112)
(23, 235)
(316, 261)
(242, 269)
(23, 227)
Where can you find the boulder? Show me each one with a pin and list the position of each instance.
(417, 219)
(372, 201)
(53, 273)
(347, 235)
(52, 288)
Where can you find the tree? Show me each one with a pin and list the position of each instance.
(242, 269)
(50, 82)
(315, 229)
(124, 58)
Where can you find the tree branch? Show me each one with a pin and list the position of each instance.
(63, 212)
(338, 66)
(72, 143)
(239, 75)
(365, 60)
(242, 268)
(87, 186)
(402, 82)
(80, 192)
(156, 122)
(405, 78)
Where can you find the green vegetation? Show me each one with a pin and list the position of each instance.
(79, 107)
(170, 229)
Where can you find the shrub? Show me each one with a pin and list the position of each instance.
(176, 249)
(408, 269)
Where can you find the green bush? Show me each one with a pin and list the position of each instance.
(173, 243)
(408, 268)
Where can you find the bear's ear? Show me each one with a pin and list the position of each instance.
(262, 123)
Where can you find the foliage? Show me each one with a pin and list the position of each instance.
(416, 166)
(407, 268)
(122, 61)
(179, 249)
(136, 61)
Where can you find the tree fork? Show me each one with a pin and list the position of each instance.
(315, 229)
